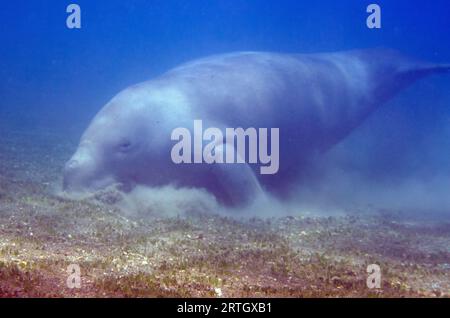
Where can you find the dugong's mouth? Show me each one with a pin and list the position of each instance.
(75, 185)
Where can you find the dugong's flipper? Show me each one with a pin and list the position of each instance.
(235, 184)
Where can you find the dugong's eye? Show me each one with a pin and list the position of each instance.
(125, 146)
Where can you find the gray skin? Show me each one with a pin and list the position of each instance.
(315, 99)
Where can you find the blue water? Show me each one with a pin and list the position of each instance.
(57, 78)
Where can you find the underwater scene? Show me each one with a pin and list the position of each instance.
(225, 148)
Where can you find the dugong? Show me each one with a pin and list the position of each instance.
(315, 100)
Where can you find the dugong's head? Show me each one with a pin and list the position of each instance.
(121, 144)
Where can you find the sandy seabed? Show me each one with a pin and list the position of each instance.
(196, 253)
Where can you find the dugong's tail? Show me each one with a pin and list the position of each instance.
(438, 68)
(422, 69)
(385, 61)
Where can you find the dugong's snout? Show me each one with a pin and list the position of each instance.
(82, 173)
(71, 169)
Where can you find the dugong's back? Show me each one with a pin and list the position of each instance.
(306, 87)
(314, 99)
